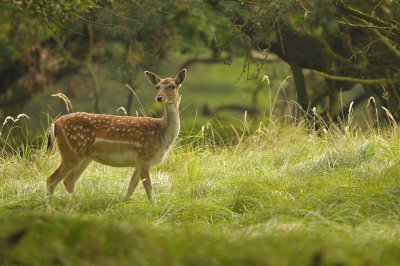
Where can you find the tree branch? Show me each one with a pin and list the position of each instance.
(117, 15)
(208, 60)
(387, 43)
(363, 26)
(356, 80)
(253, 3)
(358, 14)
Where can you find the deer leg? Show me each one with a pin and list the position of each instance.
(145, 176)
(133, 183)
(70, 180)
(56, 177)
(53, 180)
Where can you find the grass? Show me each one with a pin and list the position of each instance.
(284, 195)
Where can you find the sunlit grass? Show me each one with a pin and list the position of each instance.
(274, 195)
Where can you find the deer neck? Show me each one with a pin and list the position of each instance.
(171, 122)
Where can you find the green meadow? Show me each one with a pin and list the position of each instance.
(276, 195)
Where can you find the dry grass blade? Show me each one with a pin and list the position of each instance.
(140, 103)
(236, 133)
(9, 137)
(350, 115)
(65, 99)
(121, 109)
(372, 99)
(282, 87)
(7, 119)
(209, 127)
(393, 122)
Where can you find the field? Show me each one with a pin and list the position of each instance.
(280, 195)
(289, 145)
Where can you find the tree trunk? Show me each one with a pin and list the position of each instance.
(298, 76)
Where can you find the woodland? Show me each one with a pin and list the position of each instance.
(289, 146)
(342, 43)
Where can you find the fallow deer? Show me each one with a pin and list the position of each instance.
(120, 141)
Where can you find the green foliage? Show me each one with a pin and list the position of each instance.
(59, 12)
(199, 29)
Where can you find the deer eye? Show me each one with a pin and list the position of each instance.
(173, 87)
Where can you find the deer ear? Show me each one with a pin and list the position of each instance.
(180, 77)
(153, 78)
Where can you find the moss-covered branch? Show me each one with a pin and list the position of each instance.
(387, 43)
(357, 80)
(357, 13)
(329, 50)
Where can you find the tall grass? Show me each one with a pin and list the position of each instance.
(300, 193)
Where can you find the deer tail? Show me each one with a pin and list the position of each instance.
(51, 138)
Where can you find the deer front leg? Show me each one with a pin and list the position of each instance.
(145, 176)
(133, 183)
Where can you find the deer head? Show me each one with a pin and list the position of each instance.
(168, 88)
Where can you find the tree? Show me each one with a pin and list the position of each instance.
(126, 36)
(346, 43)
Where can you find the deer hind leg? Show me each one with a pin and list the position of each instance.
(70, 180)
(133, 183)
(145, 176)
(62, 171)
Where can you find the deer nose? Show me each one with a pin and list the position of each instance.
(159, 98)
